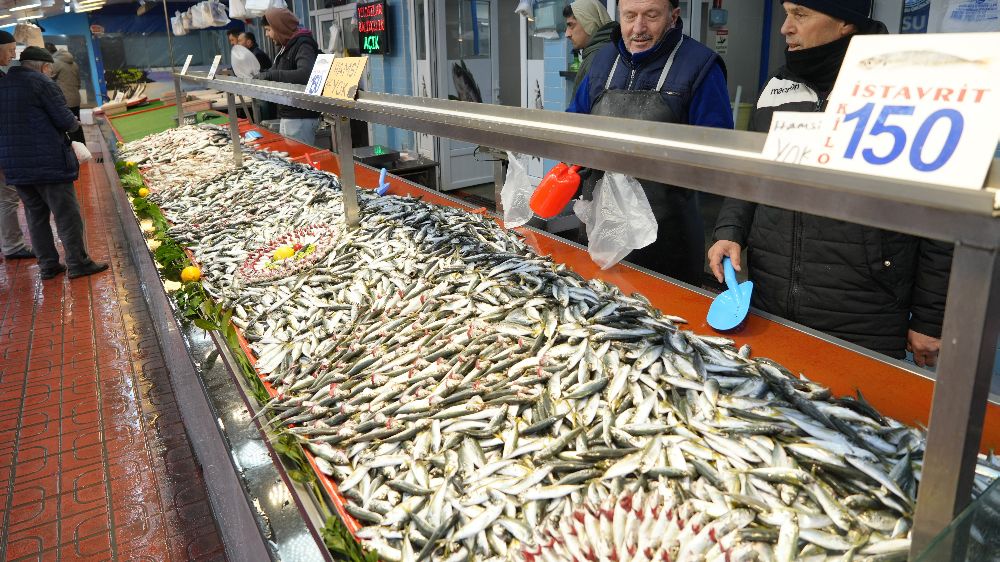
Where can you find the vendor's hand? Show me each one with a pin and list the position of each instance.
(924, 348)
(719, 250)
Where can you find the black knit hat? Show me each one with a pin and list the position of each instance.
(857, 12)
(36, 53)
(5, 37)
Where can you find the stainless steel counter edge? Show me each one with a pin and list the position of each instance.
(241, 536)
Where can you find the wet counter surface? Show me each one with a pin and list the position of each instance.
(95, 463)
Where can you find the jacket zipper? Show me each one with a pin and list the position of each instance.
(631, 77)
(795, 277)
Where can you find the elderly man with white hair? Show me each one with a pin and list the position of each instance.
(650, 70)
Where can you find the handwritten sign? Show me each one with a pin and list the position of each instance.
(215, 67)
(795, 137)
(344, 77)
(187, 63)
(923, 108)
(317, 79)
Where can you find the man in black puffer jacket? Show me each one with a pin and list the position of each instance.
(879, 289)
(38, 160)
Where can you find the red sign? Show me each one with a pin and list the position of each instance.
(97, 29)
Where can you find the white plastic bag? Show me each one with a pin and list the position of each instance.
(177, 24)
(256, 8)
(237, 10)
(201, 16)
(82, 152)
(220, 15)
(516, 192)
(618, 220)
(186, 21)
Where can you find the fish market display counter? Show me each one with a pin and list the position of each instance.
(457, 394)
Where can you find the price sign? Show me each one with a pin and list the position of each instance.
(187, 63)
(921, 108)
(215, 67)
(344, 77)
(319, 73)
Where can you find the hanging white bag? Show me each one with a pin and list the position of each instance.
(201, 16)
(516, 192)
(256, 8)
(618, 220)
(220, 16)
(177, 24)
(237, 10)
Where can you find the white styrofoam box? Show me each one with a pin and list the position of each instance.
(87, 116)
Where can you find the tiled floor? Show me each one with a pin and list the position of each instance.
(94, 460)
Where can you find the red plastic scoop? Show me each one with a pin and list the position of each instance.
(555, 190)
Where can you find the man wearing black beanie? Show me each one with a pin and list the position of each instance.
(11, 238)
(882, 290)
(38, 160)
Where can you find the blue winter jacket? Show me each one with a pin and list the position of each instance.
(34, 121)
(695, 88)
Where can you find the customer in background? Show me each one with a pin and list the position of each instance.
(248, 40)
(11, 238)
(588, 27)
(66, 74)
(37, 159)
(292, 65)
(234, 37)
(651, 71)
(878, 289)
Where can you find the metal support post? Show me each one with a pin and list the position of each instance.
(255, 108)
(179, 101)
(234, 131)
(969, 337)
(345, 156)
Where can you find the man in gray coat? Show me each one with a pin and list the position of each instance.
(11, 238)
(66, 74)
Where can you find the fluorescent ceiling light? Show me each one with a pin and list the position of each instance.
(28, 6)
(2, 16)
(89, 9)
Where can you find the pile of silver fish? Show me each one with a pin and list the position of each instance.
(180, 157)
(474, 400)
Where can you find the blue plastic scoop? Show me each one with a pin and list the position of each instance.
(731, 306)
(383, 185)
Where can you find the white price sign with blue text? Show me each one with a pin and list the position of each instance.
(923, 108)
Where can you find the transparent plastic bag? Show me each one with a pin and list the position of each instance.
(177, 24)
(237, 10)
(201, 15)
(618, 220)
(82, 152)
(516, 191)
(220, 15)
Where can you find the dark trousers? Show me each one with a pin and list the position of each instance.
(76, 135)
(58, 200)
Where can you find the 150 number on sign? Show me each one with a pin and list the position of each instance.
(948, 118)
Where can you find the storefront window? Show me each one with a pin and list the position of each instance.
(468, 29)
(350, 31)
(536, 45)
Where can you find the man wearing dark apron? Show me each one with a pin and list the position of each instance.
(651, 71)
